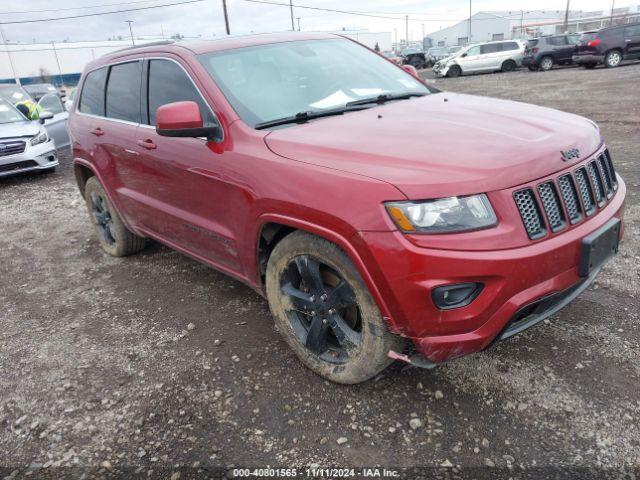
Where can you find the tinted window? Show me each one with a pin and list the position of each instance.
(532, 43)
(557, 41)
(51, 103)
(632, 31)
(169, 83)
(507, 46)
(572, 39)
(490, 48)
(92, 97)
(123, 92)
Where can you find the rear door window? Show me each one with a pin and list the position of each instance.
(168, 83)
(123, 92)
(490, 48)
(632, 31)
(92, 96)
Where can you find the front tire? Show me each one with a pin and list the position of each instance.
(115, 238)
(454, 71)
(325, 312)
(613, 59)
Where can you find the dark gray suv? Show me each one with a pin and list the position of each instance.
(544, 52)
(609, 46)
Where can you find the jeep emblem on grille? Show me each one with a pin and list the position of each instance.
(570, 154)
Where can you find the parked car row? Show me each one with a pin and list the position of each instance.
(608, 46)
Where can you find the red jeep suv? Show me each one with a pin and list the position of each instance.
(382, 219)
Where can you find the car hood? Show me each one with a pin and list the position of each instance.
(19, 129)
(442, 144)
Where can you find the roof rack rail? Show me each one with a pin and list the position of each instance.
(150, 44)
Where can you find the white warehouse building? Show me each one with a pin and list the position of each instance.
(502, 25)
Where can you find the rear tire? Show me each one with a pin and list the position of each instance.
(546, 64)
(613, 58)
(115, 238)
(303, 276)
(508, 66)
(454, 71)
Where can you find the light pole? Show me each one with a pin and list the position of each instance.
(13, 69)
(299, 24)
(293, 26)
(133, 42)
(566, 18)
(226, 16)
(469, 28)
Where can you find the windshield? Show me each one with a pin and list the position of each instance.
(274, 81)
(9, 114)
(14, 93)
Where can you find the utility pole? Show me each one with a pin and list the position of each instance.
(299, 24)
(613, 7)
(469, 28)
(406, 19)
(55, 53)
(293, 26)
(226, 16)
(566, 18)
(133, 42)
(13, 69)
(521, 22)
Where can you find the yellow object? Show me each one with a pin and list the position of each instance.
(33, 108)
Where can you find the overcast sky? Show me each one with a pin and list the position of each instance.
(205, 18)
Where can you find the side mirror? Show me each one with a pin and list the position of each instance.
(45, 116)
(411, 70)
(183, 119)
(463, 55)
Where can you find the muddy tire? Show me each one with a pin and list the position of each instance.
(546, 63)
(454, 71)
(324, 311)
(115, 238)
(613, 58)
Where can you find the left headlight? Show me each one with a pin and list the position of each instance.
(41, 137)
(453, 214)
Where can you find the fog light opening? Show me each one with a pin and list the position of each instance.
(459, 295)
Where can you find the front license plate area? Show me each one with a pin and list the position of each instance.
(599, 247)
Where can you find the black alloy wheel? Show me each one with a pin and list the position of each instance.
(323, 310)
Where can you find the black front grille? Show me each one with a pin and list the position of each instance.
(11, 148)
(530, 213)
(585, 191)
(596, 182)
(552, 206)
(572, 195)
(17, 166)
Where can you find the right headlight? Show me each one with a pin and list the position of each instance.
(41, 137)
(444, 215)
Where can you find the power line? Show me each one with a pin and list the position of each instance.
(100, 13)
(76, 8)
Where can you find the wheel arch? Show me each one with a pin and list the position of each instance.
(273, 228)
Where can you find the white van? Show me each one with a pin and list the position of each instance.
(503, 56)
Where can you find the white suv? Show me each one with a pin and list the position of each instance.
(503, 56)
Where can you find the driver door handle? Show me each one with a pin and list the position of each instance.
(148, 144)
(97, 131)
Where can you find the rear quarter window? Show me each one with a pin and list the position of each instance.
(123, 92)
(508, 46)
(92, 96)
(632, 31)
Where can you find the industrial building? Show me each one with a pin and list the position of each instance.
(501, 25)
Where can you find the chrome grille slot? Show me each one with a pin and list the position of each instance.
(530, 213)
(552, 206)
(570, 196)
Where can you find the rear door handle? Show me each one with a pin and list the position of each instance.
(97, 131)
(148, 144)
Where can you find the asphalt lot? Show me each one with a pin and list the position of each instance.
(101, 374)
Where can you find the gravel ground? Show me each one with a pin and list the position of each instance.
(156, 366)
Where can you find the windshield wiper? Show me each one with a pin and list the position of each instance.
(303, 117)
(386, 97)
